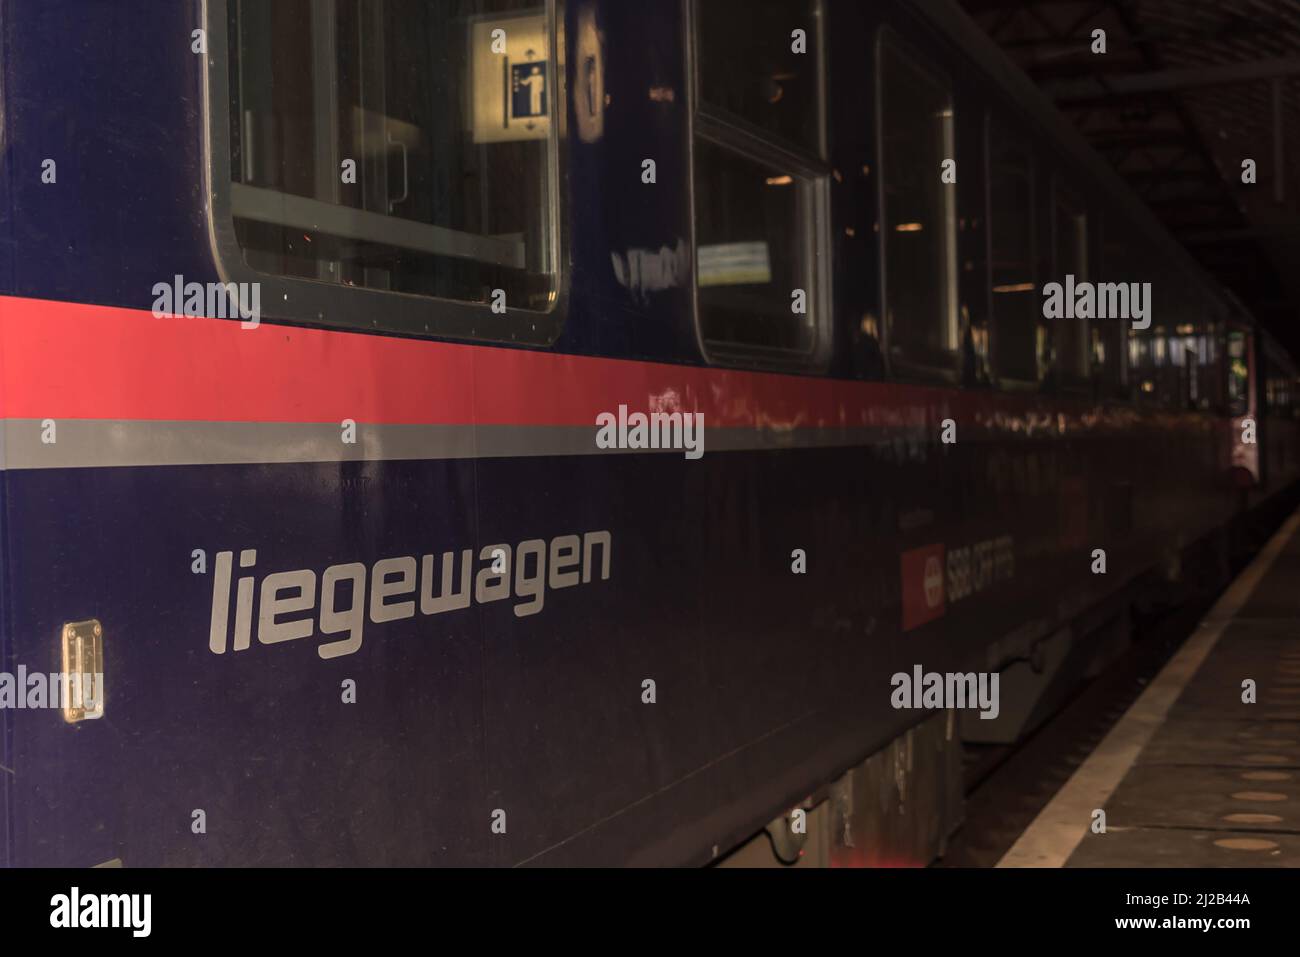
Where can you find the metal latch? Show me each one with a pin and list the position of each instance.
(82, 680)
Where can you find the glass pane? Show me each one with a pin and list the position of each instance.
(1017, 306)
(1238, 374)
(919, 228)
(387, 145)
(1110, 333)
(1141, 365)
(751, 251)
(749, 67)
(1072, 340)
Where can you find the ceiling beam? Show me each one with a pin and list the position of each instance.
(1246, 234)
(1171, 81)
(1137, 138)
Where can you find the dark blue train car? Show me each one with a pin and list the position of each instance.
(311, 313)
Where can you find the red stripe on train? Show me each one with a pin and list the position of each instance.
(71, 360)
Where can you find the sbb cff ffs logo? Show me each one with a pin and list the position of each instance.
(934, 576)
(922, 576)
(933, 582)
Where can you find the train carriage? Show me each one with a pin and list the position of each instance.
(310, 316)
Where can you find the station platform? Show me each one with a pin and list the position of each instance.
(1193, 775)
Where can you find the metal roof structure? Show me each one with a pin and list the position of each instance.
(1185, 92)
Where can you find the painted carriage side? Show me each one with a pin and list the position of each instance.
(481, 708)
(182, 434)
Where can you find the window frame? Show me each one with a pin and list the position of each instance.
(1064, 193)
(1240, 406)
(729, 132)
(904, 368)
(294, 300)
(1123, 394)
(1023, 144)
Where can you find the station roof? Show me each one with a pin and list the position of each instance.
(1186, 91)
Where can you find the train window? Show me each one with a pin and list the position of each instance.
(1238, 372)
(1016, 305)
(760, 183)
(391, 147)
(1142, 365)
(918, 210)
(1180, 313)
(748, 220)
(1212, 383)
(1169, 377)
(1108, 337)
(756, 74)
(1070, 248)
(1190, 368)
